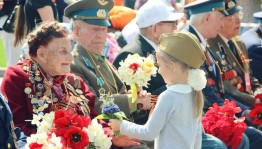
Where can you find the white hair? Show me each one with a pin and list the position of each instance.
(197, 18)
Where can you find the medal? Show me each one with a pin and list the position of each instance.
(82, 96)
(37, 73)
(73, 99)
(27, 90)
(34, 101)
(40, 102)
(79, 99)
(210, 68)
(102, 91)
(79, 91)
(39, 94)
(48, 92)
(77, 83)
(41, 108)
(55, 99)
(37, 78)
(40, 87)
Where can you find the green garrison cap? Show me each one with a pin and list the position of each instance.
(183, 46)
(201, 6)
(91, 11)
(231, 7)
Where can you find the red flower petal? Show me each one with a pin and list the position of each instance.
(35, 146)
(76, 138)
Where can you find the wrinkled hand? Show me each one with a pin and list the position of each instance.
(145, 99)
(124, 141)
(114, 124)
(1, 5)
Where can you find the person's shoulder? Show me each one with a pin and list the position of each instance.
(251, 39)
(17, 70)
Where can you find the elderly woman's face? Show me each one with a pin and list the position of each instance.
(58, 57)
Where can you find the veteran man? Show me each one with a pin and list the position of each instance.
(232, 58)
(252, 39)
(90, 22)
(206, 20)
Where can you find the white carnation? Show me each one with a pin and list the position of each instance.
(196, 79)
(97, 137)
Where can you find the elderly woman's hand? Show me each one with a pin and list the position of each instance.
(124, 141)
(1, 4)
(144, 98)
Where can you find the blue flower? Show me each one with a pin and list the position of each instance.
(110, 109)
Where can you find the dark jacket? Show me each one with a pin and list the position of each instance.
(6, 137)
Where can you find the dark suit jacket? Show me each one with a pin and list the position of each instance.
(84, 67)
(254, 45)
(218, 48)
(143, 48)
(213, 93)
(6, 137)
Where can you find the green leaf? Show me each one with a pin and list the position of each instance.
(102, 116)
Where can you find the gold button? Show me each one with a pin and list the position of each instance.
(9, 145)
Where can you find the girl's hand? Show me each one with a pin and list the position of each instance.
(145, 99)
(114, 124)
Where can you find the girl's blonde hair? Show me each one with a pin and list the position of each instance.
(198, 98)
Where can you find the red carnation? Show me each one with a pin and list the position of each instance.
(256, 114)
(76, 138)
(134, 67)
(219, 121)
(259, 97)
(35, 146)
(81, 121)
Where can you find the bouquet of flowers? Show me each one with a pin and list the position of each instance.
(219, 121)
(62, 129)
(256, 112)
(110, 110)
(136, 71)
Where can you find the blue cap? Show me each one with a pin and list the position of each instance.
(90, 11)
(231, 7)
(258, 16)
(202, 6)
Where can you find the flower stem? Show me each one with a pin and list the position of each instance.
(117, 133)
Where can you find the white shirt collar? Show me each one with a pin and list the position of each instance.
(150, 42)
(202, 39)
(180, 88)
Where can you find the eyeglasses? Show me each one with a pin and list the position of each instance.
(170, 22)
(237, 16)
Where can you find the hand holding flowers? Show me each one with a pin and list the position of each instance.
(136, 71)
(110, 110)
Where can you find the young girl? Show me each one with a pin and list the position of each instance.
(176, 120)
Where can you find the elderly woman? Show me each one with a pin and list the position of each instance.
(43, 82)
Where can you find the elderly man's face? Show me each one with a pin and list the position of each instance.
(58, 57)
(215, 22)
(91, 37)
(232, 24)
